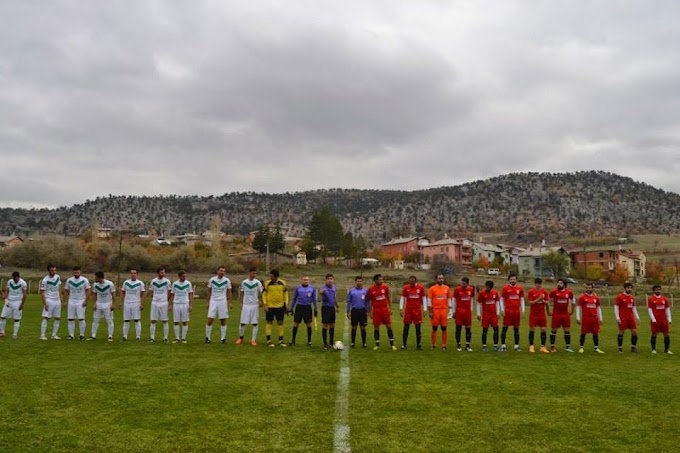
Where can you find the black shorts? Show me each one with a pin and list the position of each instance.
(327, 315)
(358, 317)
(278, 313)
(303, 313)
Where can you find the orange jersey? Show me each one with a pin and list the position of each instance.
(439, 296)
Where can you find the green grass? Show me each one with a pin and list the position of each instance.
(99, 396)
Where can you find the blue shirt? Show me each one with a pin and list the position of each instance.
(304, 295)
(357, 298)
(328, 294)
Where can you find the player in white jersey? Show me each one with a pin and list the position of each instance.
(103, 291)
(78, 290)
(160, 290)
(182, 300)
(251, 288)
(50, 293)
(219, 296)
(132, 302)
(15, 297)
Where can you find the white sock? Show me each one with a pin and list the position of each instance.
(71, 328)
(208, 331)
(166, 328)
(223, 332)
(16, 328)
(43, 328)
(152, 331)
(126, 329)
(95, 327)
(138, 328)
(83, 327)
(55, 327)
(185, 330)
(177, 331)
(255, 329)
(110, 322)
(3, 322)
(241, 330)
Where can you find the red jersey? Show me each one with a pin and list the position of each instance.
(658, 304)
(439, 296)
(413, 295)
(589, 304)
(464, 297)
(488, 299)
(511, 297)
(533, 294)
(561, 300)
(377, 296)
(626, 303)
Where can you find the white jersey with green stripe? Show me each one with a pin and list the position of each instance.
(50, 287)
(251, 290)
(160, 288)
(104, 291)
(15, 290)
(181, 291)
(133, 291)
(219, 287)
(77, 289)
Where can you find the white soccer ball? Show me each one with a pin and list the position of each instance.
(339, 346)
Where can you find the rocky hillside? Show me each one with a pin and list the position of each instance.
(524, 205)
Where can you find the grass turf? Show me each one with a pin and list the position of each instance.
(100, 396)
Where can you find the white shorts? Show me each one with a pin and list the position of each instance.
(218, 310)
(53, 309)
(103, 311)
(180, 312)
(250, 314)
(132, 312)
(11, 310)
(159, 312)
(76, 311)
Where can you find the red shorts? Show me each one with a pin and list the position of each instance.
(413, 315)
(381, 315)
(660, 327)
(464, 318)
(628, 322)
(511, 318)
(590, 325)
(490, 320)
(440, 317)
(561, 320)
(537, 320)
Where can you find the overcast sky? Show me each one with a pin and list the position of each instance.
(207, 97)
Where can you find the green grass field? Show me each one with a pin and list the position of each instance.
(99, 396)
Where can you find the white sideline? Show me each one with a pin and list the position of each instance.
(341, 440)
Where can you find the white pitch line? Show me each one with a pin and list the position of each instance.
(341, 442)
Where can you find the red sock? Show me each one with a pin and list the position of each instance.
(445, 338)
(434, 338)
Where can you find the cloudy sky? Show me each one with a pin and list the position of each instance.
(208, 97)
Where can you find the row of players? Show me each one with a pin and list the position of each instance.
(362, 303)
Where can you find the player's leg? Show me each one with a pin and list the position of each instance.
(468, 336)
(495, 336)
(633, 340)
(419, 335)
(164, 319)
(108, 317)
(544, 337)
(3, 322)
(404, 335)
(485, 331)
(223, 330)
(390, 335)
(309, 332)
(567, 338)
(43, 327)
(667, 343)
(515, 330)
(354, 320)
(331, 332)
(80, 313)
(532, 334)
(96, 318)
(71, 320)
(504, 335)
(653, 342)
(324, 335)
(619, 339)
(434, 334)
(459, 330)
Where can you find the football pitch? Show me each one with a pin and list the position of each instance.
(100, 396)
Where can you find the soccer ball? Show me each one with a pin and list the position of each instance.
(339, 346)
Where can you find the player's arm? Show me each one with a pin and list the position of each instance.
(264, 298)
(122, 298)
(315, 301)
(501, 306)
(635, 312)
(241, 295)
(652, 318)
(191, 299)
(389, 300)
(142, 299)
(113, 299)
(479, 310)
(498, 306)
(616, 312)
(402, 301)
(452, 309)
(348, 303)
(571, 304)
(335, 300)
(285, 297)
(599, 314)
(23, 297)
(171, 297)
(295, 298)
(230, 296)
(208, 296)
(88, 294)
(668, 315)
(578, 314)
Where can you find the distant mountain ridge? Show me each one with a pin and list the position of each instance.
(523, 205)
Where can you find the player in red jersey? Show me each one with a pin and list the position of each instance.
(411, 305)
(463, 298)
(440, 302)
(660, 315)
(563, 302)
(488, 309)
(538, 305)
(589, 305)
(512, 307)
(627, 316)
(380, 310)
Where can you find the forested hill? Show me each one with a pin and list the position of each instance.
(525, 205)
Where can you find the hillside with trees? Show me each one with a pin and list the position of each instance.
(524, 205)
